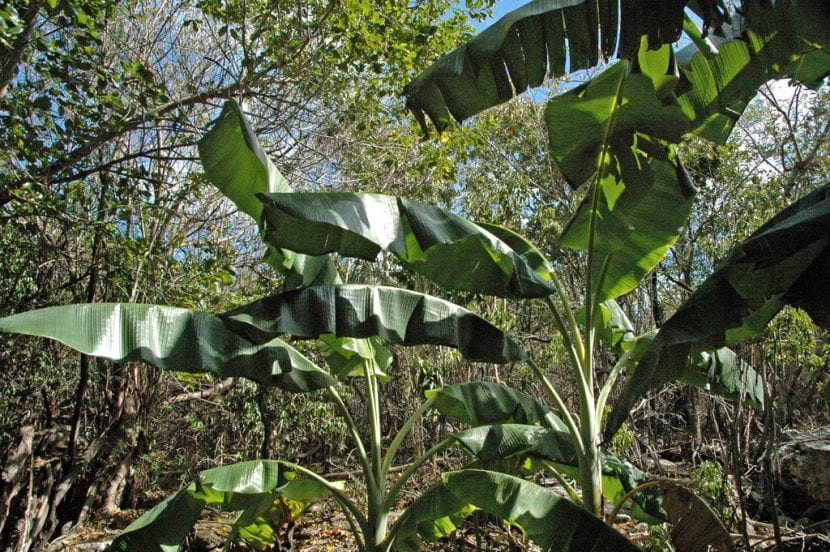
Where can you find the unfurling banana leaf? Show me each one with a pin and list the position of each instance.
(785, 262)
(264, 494)
(170, 338)
(550, 520)
(615, 329)
(448, 249)
(348, 357)
(398, 316)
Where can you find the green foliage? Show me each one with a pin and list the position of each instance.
(426, 239)
(659, 538)
(615, 135)
(266, 495)
(546, 517)
(533, 42)
(635, 171)
(170, 338)
(242, 342)
(758, 278)
(709, 479)
(623, 438)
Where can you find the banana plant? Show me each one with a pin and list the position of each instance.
(616, 135)
(353, 326)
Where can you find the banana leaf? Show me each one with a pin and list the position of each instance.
(615, 131)
(549, 520)
(785, 262)
(778, 40)
(481, 403)
(722, 373)
(237, 165)
(398, 316)
(170, 338)
(434, 514)
(615, 329)
(523, 247)
(452, 251)
(773, 40)
(498, 442)
(263, 493)
(544, 38)
(353, 357)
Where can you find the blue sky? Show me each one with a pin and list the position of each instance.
(499, 10)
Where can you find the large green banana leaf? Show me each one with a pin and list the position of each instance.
(498, 442)
(398, 316)
(237, 165)
(603, 116)
(523, 247)
(721, 372)
(450, 250)
(550, 520)
(479, 403)
(543, 38)
(170, 338)
(718, 371)
(785, 262)
(616, 129)
(265, 494)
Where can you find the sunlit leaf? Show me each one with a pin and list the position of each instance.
(452, 251)
(237, 165)
(355, 357)
(615, 131)
(249, 488)
(544, 38)
(172, 339)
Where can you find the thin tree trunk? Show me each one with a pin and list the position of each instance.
(267, 422)
(14, 470)
(770, 461)
(734, 460)
(91, 289)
